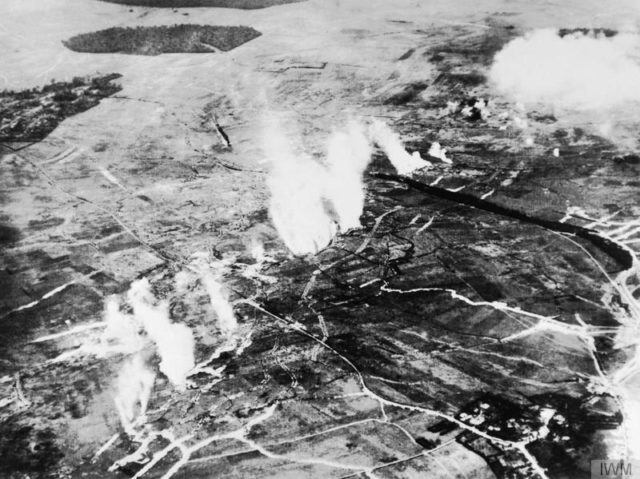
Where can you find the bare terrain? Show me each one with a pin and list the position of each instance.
(470, 328)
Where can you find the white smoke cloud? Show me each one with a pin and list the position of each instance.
(436, 151)
(585, 72)
(257, 250)
(211, 279)
(310, 201)
(348, 154)
(122, 333)
(297, 184)
(174, 341)
(125, 333)
(254, 271)
(390, 142)
(133, 390)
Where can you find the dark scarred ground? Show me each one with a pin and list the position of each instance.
(464, 331)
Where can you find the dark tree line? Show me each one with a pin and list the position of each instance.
(30, 115)
(242, 4)
(162, 39)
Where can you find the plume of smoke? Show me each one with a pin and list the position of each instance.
(122, 333)
(307, 199)
(257, 250)
(219, 300)
(174, 341)
(253, 271)
(575, 71)
(436, 151)
(133, 390)
(209, 274)
(297, 186)
(183, 281)
(390, 142)
(348, 154)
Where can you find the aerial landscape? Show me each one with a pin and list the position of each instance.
(319, 239)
